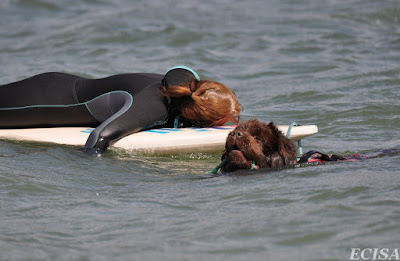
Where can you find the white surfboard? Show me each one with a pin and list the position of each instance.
(154, 141)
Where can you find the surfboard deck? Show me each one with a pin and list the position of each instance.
(153, 141)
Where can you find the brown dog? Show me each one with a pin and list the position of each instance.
(253, 144)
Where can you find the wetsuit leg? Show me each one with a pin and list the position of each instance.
(43, 89)
(44, 100)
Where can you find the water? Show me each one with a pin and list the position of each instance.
(330, 63)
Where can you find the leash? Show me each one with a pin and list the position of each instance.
(217, 168)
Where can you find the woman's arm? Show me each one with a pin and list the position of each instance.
(146, 110)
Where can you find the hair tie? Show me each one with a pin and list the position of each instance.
(191, 94)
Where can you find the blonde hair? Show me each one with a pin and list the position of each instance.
(206, 103)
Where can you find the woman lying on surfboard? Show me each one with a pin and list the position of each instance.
(118, 105)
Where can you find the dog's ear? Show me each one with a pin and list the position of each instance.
(269, 134)
(285, 148)
(277, 133)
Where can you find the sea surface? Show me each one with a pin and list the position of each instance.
(332, 63)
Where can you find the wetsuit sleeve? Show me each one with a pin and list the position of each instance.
(145, 110)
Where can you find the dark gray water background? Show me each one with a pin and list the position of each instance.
(333, 63)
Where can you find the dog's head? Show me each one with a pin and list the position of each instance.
(254, 144)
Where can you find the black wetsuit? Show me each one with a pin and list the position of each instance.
(117, 106)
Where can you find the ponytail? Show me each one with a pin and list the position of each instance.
(179, 91)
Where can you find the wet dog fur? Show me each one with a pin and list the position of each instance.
(254, 144)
